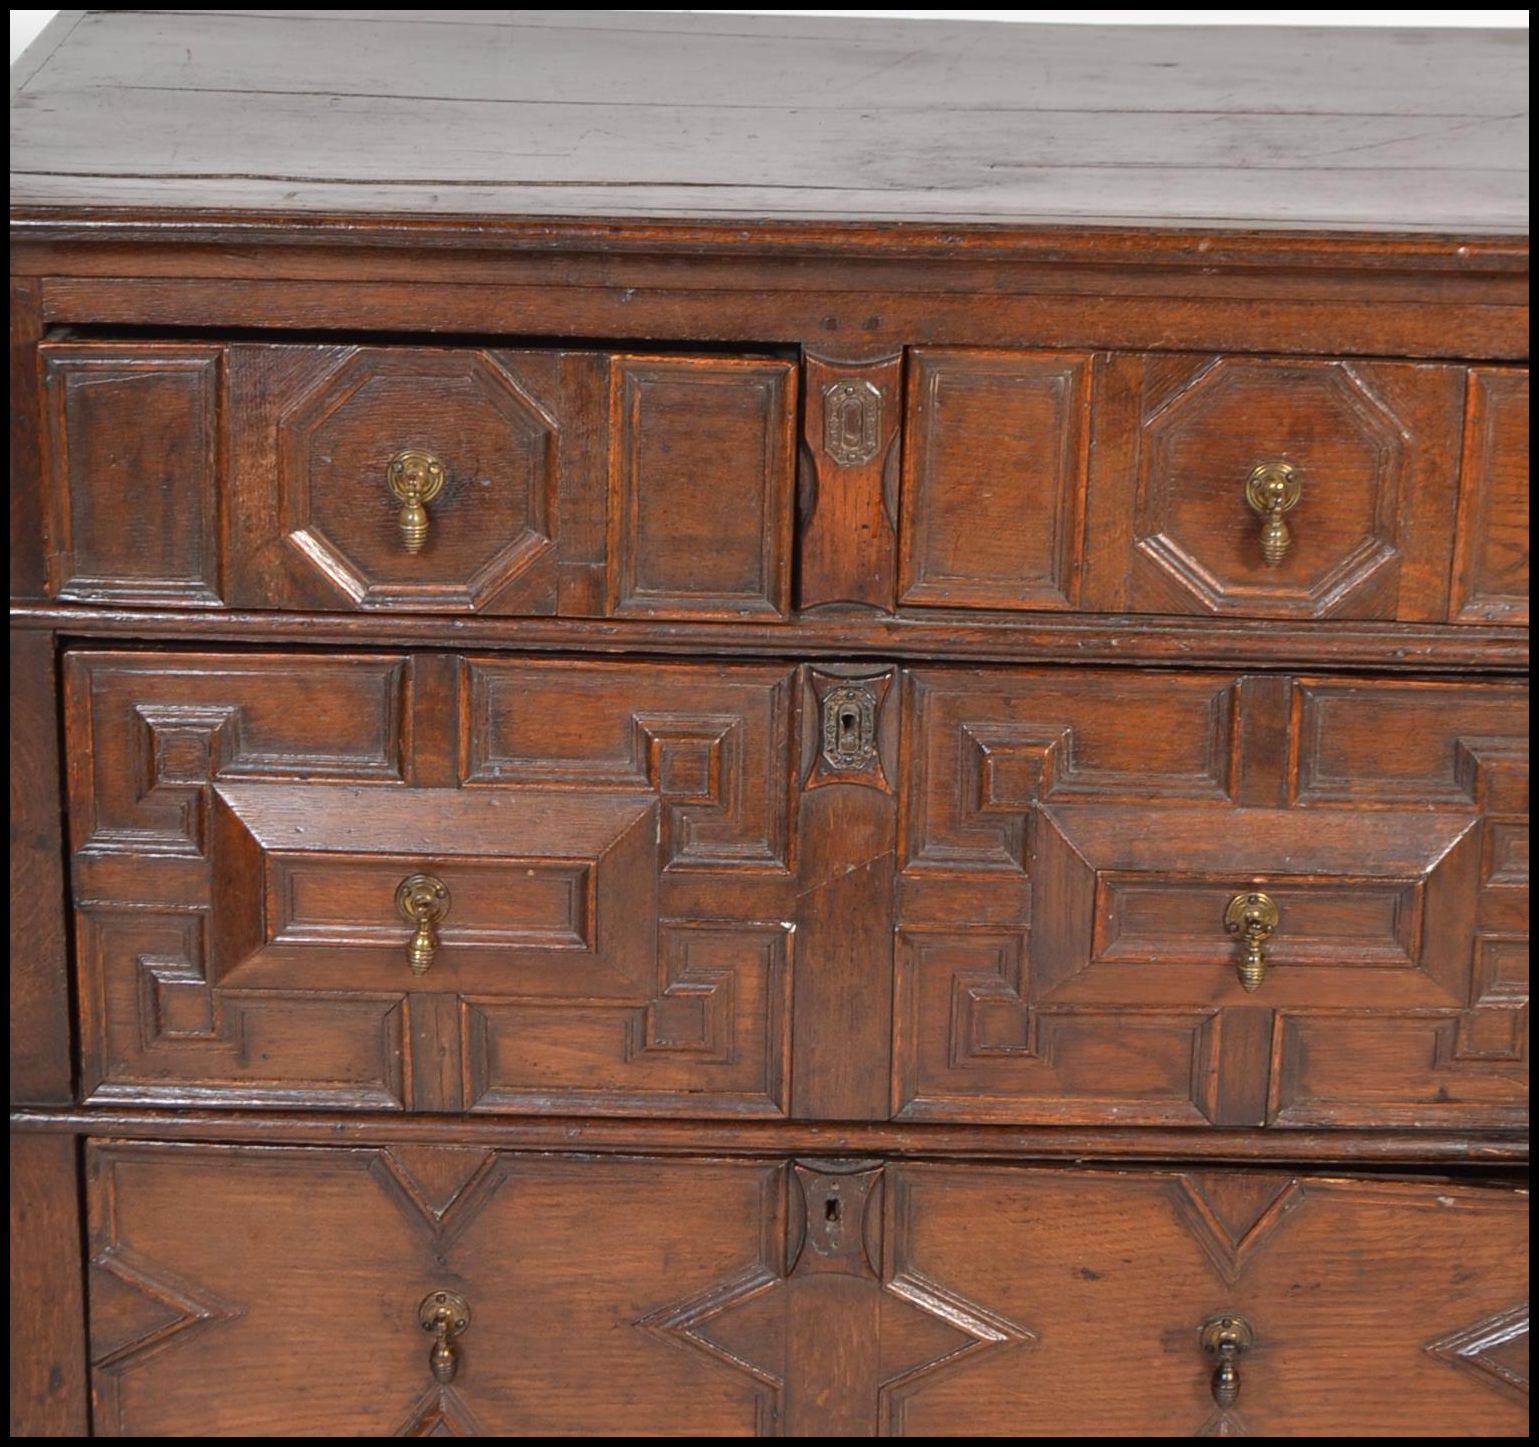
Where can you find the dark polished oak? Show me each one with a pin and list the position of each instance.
(753, 725)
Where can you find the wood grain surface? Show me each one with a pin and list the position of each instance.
(589, 483)
(631, 850)
(839, 1297)
(41, 1009)
(1397, 1150)
(1068, 844)
(48, 1336)
(626, 114)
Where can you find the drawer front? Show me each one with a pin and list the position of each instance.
(476, 883)
(1145, 484)
(432, 883)
(282, 1291)
(1072, 843)
(580, 483)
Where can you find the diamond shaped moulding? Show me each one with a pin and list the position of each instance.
(1494, 1350)
(839, 1340)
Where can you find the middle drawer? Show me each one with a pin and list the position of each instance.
(444, 883)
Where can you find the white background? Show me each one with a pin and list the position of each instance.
(25, 24)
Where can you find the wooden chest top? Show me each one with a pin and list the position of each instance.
(775, 120)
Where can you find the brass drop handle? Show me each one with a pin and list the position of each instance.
(446, 1314)
(423, 900)
(1228, 1338)
(1252, 917)
(1273, 489)
(416, 478)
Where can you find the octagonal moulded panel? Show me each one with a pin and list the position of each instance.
(493, 516)
(1372, 445)
(1202, 442)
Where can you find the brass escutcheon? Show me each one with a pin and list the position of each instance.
(423, 900)
(1273, 489)
(849, 727)
(416, 478)
(1228, 1338)
(852, 422)
(1252, 916)
(446, 1314)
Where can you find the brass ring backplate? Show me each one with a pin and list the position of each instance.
(1273, 487)
(414, 475)
(1251, 912)
(1227, 1332)
(422, 897)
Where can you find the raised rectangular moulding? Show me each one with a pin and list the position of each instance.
(133, 450)
(584, 483)
(1490, 583)
(994, 479)
(703, 462)
(1195, 898)
(593, 1296)
(547, 481)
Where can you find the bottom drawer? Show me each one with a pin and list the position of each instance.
(452, 1291)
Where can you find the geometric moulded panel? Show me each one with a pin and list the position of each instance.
(247, 823)
(1071, 844)
(1178, 520)
(496, 442)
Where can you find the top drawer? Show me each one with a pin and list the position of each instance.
(585, 483)
(596, 483)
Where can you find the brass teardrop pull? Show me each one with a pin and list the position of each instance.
(423, 900)
(1273, 489)
(416, 478)
(1228, 1338)
(1252, 916)
(446, 1314)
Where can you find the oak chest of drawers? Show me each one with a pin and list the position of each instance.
(733, 725)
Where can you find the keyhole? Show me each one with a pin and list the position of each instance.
(832, 1209)
(851, 420)
(849, 728)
